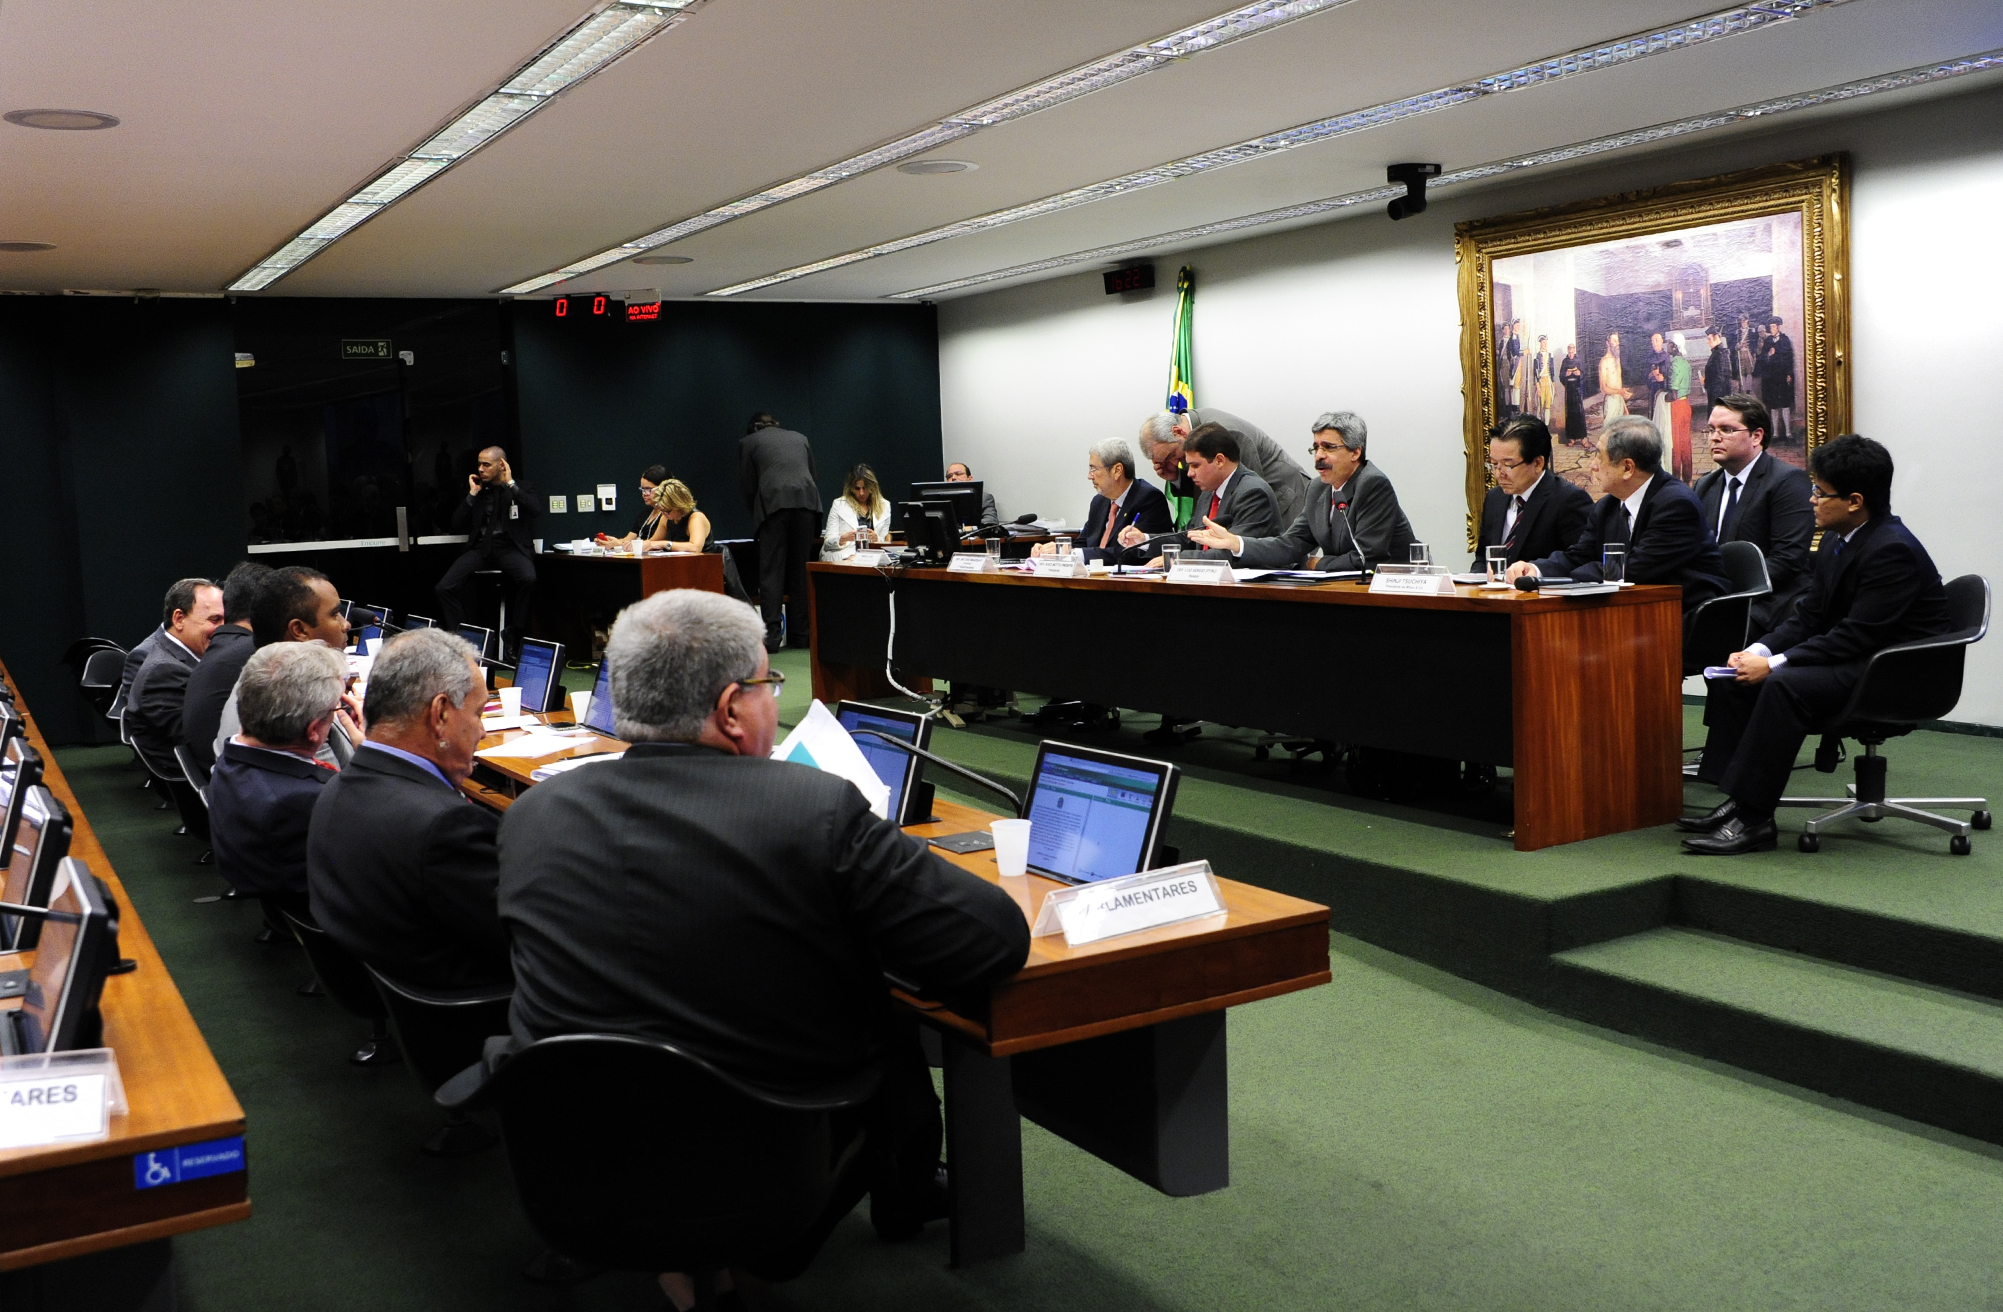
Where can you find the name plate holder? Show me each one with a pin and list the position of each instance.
(869, 559)
(1202, 571)
(973, 562)
(1130, 904)
(1058, 567)
(1413, 581)
(59, 1097)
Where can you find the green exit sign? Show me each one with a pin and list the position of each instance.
(372, 348)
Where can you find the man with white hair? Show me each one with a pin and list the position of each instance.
(1122, 503)
(746, 910)
(1356, 524)
(1162, 436)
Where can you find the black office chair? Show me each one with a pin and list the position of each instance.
(441, 1033)
(98, 669)
(1717, 628)
(705, 1173)
(346, 981)
(1902, 687)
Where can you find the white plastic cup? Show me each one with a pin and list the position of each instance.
(1011, 847)
(539, 546)
(511, 702)
(580, 705)
(639, 546)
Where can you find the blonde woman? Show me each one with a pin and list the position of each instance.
(1610, 382)
(676, 507)
(860, 506)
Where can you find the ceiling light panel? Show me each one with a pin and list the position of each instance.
(1213, 33)
(597, 42)
(1681, 36)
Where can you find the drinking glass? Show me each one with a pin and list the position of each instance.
(994, 549)
(1060, 547)
(1613, 563)
(1170, 553)
(1420, 554)
(1498, 563)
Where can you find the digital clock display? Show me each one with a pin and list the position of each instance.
(1135, 278)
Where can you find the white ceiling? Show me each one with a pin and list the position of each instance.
(245, 120)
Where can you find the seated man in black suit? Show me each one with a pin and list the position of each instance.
(1872, 586)
(210, 686)
(1356, 524)
(399, 862)
(1119, 500)
(1646, 510)
(744, 909)
(1757, 498)
(1228, 495)
(299, 604)
(1531, 512)
(262, 792)
(190, 614)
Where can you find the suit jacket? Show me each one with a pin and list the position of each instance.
(1265, 457)
(1775, 516)
(260, 804)
(744, 908)
(401, 869)
(153, 711)
(1668, 543)
(1360, 525)
(776, 468)
(1718, 374)
(1145, 508)
(1873, 592)
(990, 517)
(210, 686)
(1552, 520)
(496, 514)
(137, 657)
(1247, 509)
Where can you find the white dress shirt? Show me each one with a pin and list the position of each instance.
(1520, 499)
(1725, 494)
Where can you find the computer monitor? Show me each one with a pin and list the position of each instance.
(41, 841)
(481, 640)
(67, 978)
(898, 769)
(598, 716)
(20, 770)
(383, 613)
(346, 608)
(965, 499)
(929, 531)
(370, 638)
(411, 621)
(538, 673)
(1095, 814)
(10, 721)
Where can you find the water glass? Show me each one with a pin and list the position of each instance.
(1011, 847)
(1170, 553)
(1498, 563)
(994, 549)
(1060, 547)
(1613, 563)
(1420, 554)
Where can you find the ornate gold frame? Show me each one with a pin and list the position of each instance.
(1818, 189)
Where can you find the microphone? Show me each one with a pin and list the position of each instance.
(1030, 518)
(1015, 802)
(1529, 583)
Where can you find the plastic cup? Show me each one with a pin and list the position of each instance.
(511, 702)
(1011, 847)
(580, 706)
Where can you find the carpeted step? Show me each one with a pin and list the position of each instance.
(1916, 1050)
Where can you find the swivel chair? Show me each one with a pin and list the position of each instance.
(346, 981)
(98, 673)
(440, 1032)
(1718, 627)
(1903, 687)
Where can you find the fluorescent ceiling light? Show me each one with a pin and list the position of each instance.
(603, 37)
(1682, 36)
(1562, 154)
(1235, 25)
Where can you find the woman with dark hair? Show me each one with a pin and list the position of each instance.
(650, 524)
(861, 507)
(677, 511)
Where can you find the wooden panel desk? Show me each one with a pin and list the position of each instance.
(1118, 1046)
(577, 594)
(64, 1202)
(1582, 698)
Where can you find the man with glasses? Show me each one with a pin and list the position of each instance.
(1757, 498)
(1530, 512)
(1356, 523)
(744, 909)
(1163, 434)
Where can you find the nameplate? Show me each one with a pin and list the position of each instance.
(188, 1161)
(1201, 571)
(1058, 567)
(1130, 904)
(1413, 581)
(869, 559)
(62, 1097)
(972, 562)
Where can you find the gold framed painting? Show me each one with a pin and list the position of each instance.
(1656, 303)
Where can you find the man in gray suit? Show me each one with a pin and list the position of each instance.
(1754, 497)
(191, 613)
(1162, 436)
(1229, 495)
(776, 468)
(1356, 524)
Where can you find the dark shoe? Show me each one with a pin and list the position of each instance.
(773, 644)
(1710, 821)
(899, 1221)
(1735, 836)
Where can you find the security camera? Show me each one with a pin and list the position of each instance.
(1413, 177)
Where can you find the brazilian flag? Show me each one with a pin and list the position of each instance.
(1181, 388)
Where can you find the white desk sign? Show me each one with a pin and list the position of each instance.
(1058, 567)
(973, 562)
(58, 1097)
(1130, 904)
(869, 559)
(1202, 571)
(1413, 580)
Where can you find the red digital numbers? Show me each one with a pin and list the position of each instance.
(563, 307)
(598, 305)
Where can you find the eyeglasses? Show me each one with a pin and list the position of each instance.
(776, 678)
(1506, 466)
(1722, 430)
(1817, 494)
(1325, 448)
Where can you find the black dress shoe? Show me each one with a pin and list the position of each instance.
(1709, 822)
(1733, 837)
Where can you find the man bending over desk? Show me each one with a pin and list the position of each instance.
(744, 909)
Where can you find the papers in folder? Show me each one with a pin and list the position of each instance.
(820, 741)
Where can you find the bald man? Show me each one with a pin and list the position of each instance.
(498, 517)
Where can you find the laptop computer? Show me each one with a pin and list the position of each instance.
(898, 769)
(59, 1009)
(598, 716)
(538, 673)
(1096, 814)
(41, 841)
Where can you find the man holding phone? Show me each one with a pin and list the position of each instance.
(498, 517)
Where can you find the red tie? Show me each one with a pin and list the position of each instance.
(1215, 501)
(1112, 514)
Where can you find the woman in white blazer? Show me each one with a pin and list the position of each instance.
(860, 506)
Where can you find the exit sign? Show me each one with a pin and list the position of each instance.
(371, 348)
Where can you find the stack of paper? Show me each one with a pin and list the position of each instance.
(821, 742)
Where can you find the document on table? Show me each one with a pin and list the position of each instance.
(541, 742)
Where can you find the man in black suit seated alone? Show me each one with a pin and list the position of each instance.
(1227, 494)
(266, 782)
(209, 687)
(1646, 510)
(1872, 586)
(498, 517)
(399, 862)
(1530, 511)
(1119, 501)
(190, 615)
(1757, 498)
(1356, 524)
(744, 909)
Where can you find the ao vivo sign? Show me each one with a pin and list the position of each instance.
(604, 307)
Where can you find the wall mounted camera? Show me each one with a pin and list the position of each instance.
(1413, 177)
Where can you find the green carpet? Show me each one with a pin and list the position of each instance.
(1400, 1139)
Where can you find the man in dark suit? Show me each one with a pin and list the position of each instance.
(1530, 512)
(1653, 516)
(1119, 501)
(1717, 368)
(209, 687)
(776, 470)
(136, 658)
(1356, 524)
(262, 792)
(1163, 434)
(1228, 495)
(958, 472)
(191, 613)
(299, 604)
(1873, 587)
(745, 909)
(1757, 498)
(1775, 370)
(400, 865)
(498, 517)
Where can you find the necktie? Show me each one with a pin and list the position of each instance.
(1623, 526)
(1215, 502)
(1731, 516)
(1509, 520)
(1112, 514)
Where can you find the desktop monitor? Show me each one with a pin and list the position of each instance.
(598, 716)
(41, 841)
(346, 608)
(64, 984)
(10, 721)
(370, 638)
(964, 497)
(481, 640)
(412, 621)
(383, 613)
(898, 769)
(539, 674)
(1095, 814)
(20, 770)
(929, 531)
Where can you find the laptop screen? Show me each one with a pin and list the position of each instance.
(41, 817)
(55, 958)
(477, 638)
(1091, 819)
(20, 766)
(599, 716)
(535, 670)
(891, 765)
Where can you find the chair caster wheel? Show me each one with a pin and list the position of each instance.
(1958, 845)
(1808, 843)
(1980, 820)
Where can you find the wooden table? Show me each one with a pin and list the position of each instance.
(1117, 1046)
(1581, 698)
(79, 1199)
(576, 595)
